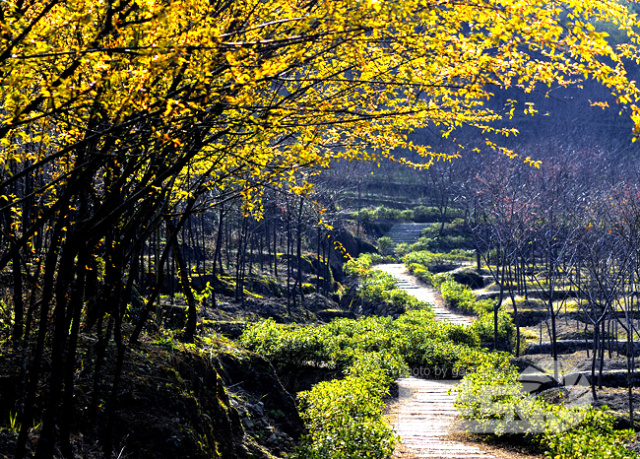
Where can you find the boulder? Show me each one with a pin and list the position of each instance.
(469, 278)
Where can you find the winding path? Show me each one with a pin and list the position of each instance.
(412, 285)
(423, 414)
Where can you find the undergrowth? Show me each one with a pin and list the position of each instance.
(492, 399)
(344, 416)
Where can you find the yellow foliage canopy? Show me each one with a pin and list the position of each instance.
(230, 96)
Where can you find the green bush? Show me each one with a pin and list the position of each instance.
(392, 364)
(418, 326)
(425, 214)
(427, 258)
(384, 245)
(402, 249)
(379, 287)
(287, 346)
(484, 325)
(491, 398)
(458, 296)
(438, 279)
(439, 359)
(364, 215)
(594, 437)
(445, 243)
(357, 266)
(345, 420)
(426, 343)
(407, 214)
(414, 339)
(353, 338)
(378, 259)
(383, 212)
(388, 213)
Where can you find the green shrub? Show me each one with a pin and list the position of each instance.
(427, 258)
(418, 326)
(423, 244)
(379, 287)
(483, 306)
(402, 249)
(288, 346)
(357, 266)
(439, 359)
(392, 364)
(384, 245)
(484, 325)
(425, 214)
(388, 213)
(458, 296)
(378, 259)
(407, 214)
(383, 212)
(491, 398)
(375, 285)
(438, 279)
(463, 254)
(593, 437)
(344, 419)
(414, 339)
(364, 215)
(449, 242)
(430, 344)
(352, 338)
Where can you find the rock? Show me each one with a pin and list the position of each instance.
(352, 244)
(328, 315)
(441, 268)
(254, 374)
(259, 409)
(317, 302)
(535, 382)
(248, 423)
(469, 278)
(230, 329)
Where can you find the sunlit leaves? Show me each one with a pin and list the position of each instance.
(245, 94)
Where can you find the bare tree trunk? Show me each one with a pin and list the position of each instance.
(185, 282)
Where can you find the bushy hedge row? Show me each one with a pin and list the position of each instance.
(492, 399)
(593, 437)
(458, 296)
(445, 243)
(383, 212)
(378, 287)
(427, 258)
(340, 344)
(418, 214)
(483, 326)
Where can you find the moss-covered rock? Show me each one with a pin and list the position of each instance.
(469, 278)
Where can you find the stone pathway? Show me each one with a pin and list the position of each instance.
(407, 233)
(412, 285)
(423, 414)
